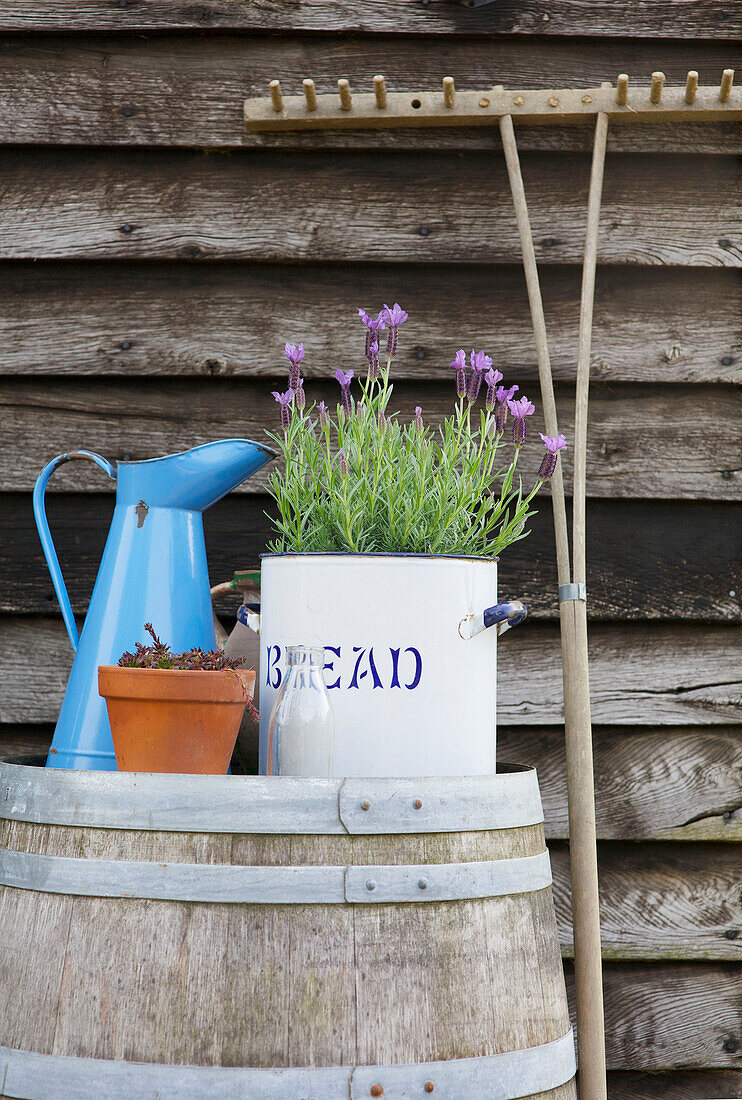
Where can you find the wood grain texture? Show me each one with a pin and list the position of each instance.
(315, 984)
(646, 18)
(672, 1016)
(422, 208)
(665, 443)
(641, 674)
(671, 901)
(271, 849)
(668, 325)
(188, 90)
(709, 1084)
(42, 920)
(680, 784)
(683, 560)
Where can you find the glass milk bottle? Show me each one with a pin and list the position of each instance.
(302, 729)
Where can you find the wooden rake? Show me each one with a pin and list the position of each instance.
(620, 104)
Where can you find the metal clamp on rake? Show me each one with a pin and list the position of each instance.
(569, 592)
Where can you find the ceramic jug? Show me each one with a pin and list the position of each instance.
(153, 569)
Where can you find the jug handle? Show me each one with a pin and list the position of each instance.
(42, 525)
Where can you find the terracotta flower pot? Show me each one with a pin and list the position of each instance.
(166, 720)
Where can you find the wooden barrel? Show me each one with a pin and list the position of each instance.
(277, 939)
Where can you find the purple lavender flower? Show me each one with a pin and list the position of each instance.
(553, 445)
(301, 399)
(284, 400)
(374, 325)
(372, 354)
(294, 355)
(323, 417)
(520, 410)
(459, 364)
(502, 396)
(492, 377)
(393, 317)
(419, 418)
(343, 463)
(479, 364)
(345, 378)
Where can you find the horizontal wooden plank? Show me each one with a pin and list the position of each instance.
(657, 442)
(640, 674)
(643, 18)
(422, 208)
(671, 1016)
(23, 740)
(188, 91)
(666, 325)
(679, 784)
(660, 901)
(710, 138)
(683, 560)
(709, 1084)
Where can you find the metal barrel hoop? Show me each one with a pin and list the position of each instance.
(261, 804)
(504, 1076)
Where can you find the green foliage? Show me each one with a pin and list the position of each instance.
(367, 483)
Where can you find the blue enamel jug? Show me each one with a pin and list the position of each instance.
(153, 569)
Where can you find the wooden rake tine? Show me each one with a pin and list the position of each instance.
(573, 617)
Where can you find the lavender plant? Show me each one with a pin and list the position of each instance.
(367, 482)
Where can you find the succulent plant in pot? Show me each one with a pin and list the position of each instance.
(388, 533)
(175, 712)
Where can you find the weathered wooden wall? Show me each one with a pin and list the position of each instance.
(154, 256)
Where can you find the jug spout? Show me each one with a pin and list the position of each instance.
(195, 479)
